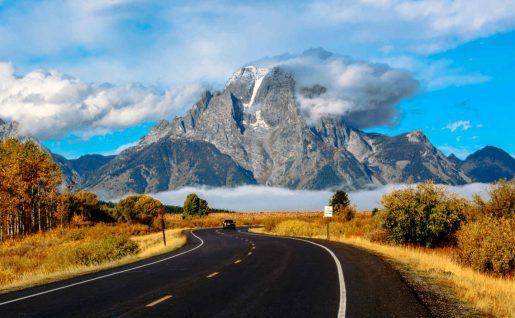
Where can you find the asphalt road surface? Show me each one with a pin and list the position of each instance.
(227, 273)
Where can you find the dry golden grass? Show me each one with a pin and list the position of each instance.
(490, 295)
(241, 219)
(65, 253)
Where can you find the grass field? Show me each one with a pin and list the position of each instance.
(64, 253)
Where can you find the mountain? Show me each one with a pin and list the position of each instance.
(253, 132)
(167, 164)
(77, 171)
(489, 164)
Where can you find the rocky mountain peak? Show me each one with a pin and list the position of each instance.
(489, 164)
(452, 158)
(12, 130)
(417, 136)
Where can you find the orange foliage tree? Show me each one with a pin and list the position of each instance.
(29, 182)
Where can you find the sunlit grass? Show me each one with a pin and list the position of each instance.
(64, 253)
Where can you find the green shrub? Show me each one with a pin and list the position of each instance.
(425, 214)
(488, 245)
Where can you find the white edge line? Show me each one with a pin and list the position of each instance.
(105, 276)
(343, 293)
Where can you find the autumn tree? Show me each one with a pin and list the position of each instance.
(138, 208)
(29, 181)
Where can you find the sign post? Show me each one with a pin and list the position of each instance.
(163, 227)
(328, 213)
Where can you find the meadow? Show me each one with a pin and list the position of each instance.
(62, 253)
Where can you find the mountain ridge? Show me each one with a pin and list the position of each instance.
(254, 131)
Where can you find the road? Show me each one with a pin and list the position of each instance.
(230, 274)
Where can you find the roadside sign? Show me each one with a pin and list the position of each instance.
(328, 212)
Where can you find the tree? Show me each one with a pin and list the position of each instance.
(341, 205)
(195, 207)
(29, 181)
(124, 210)
(425, 214)
(147, 209)
(138, 208)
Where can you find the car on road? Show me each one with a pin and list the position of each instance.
(229, 224)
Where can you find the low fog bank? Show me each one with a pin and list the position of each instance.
(261, 198)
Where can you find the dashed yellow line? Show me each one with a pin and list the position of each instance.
(212, 274)
(238, 261)
(160, 300)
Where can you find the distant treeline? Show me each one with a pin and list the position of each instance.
(174, 209)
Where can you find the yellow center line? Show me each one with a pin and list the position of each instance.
(238, 261)
(160, 300)
(212, 274)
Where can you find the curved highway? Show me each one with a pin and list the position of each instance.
(230, 274)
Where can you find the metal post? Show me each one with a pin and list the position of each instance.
(163, 227)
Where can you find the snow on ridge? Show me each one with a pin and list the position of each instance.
(260, 75)
(260, 122)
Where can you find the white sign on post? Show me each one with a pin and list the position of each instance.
(328, 212)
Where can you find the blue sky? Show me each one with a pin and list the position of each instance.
(57, 56)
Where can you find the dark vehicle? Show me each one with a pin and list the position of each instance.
(229, 224)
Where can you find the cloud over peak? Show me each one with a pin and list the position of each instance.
(365, 94)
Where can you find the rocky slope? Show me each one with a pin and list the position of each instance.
(167, 164)
(256, 127)
(489, 164)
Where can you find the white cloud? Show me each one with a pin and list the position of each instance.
(424, 26)
(365, 94)
(437, 74)
(50, 104)
(120, 149)
(463, 124)
(170, 42)
(260, 198)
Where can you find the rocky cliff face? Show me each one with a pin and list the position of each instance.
(255, 127)
(167, 164)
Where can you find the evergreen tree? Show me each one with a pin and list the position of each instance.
(195, 207)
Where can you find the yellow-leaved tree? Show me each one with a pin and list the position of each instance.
(29, 182)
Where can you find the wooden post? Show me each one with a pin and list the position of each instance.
(163, 227)
(328, 230)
